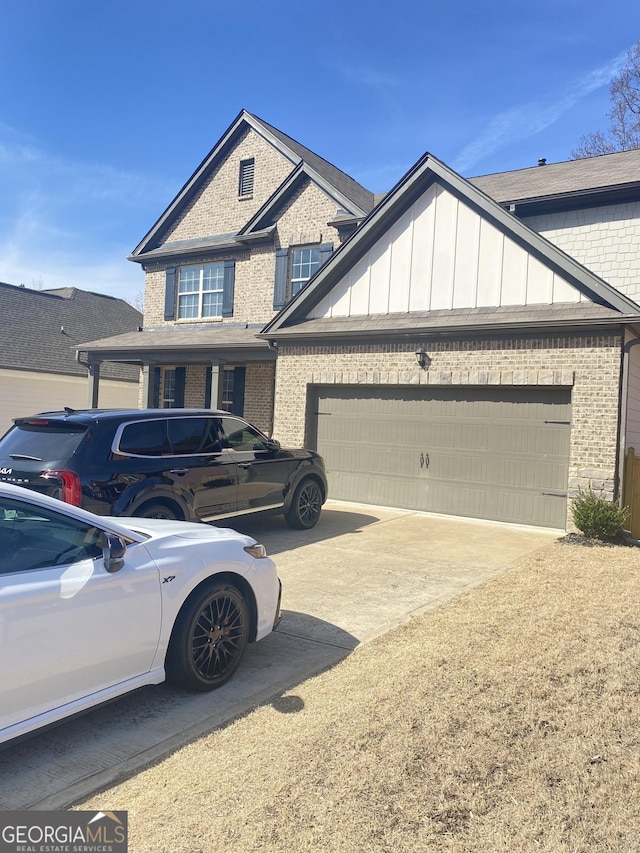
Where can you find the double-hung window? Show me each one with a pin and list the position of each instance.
(295, 266)
(204, 291)
(304, 262)
(200, 291)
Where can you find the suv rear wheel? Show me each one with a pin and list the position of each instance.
(158, 510)
(305, 505)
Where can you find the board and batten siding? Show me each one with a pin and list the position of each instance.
(441, 254)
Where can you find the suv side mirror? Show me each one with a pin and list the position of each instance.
(113, 553)
(272, 444)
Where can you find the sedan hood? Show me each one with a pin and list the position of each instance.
(158, 528)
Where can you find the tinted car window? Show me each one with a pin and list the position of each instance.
(143, 438)
(239, 435)
(35, 537)
(43, 441)
(193, 436)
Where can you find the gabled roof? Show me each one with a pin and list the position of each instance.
(358, 195)
(356, 199)
(39, 329)
(263, 217)
(613, 177)
(417, 180)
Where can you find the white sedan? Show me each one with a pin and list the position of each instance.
(92, 608)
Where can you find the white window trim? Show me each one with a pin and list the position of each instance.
(201, 292)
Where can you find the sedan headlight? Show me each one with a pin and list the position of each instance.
(257, 551)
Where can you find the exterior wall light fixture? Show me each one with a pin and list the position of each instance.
(422, 358)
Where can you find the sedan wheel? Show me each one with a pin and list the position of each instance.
(305, 506)
(209, 639)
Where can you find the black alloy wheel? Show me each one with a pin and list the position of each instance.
(209, 639)
(305, 506)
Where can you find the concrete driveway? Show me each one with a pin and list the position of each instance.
(361, 571)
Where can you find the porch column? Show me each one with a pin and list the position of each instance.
(147, 386)
(94, 382)
(212, 392)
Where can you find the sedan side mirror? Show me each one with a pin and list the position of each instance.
(113, 552)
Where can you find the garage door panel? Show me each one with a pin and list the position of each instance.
(499, 453)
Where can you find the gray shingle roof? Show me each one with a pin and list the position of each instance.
(191, 343)
(573, 176)
(452, 321)
(39, 329)
(349, 187)
(182, 337)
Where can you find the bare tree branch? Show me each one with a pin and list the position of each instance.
(624, 116)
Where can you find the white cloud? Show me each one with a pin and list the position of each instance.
(71, 223)
(524, 121)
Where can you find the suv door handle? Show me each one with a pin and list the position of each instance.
(245, 464)
(180, 471)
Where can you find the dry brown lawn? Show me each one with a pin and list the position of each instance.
(506, 720)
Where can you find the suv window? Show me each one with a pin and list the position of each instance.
(143, 438)
(239, 435)
(193, 436)
(43, 440)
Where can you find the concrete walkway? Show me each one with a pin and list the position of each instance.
(360, 572)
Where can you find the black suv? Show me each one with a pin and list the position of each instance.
(192, 464)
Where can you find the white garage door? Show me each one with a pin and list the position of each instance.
(494, 453)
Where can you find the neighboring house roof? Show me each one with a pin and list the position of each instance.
(357, 200)
(425, 172)
(40, 329)
(574, 183)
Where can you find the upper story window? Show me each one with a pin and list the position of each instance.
(294, 267)
(200, 291)
(204, 291)
(245, 183)
(304, 262)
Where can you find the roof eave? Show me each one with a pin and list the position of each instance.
(235, 243)
(576, 199)
(414, 332)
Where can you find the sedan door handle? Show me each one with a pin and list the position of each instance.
(180, 471)
(245, 464)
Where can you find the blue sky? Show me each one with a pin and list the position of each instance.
(107, 108)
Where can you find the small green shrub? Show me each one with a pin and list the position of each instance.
(597, 517)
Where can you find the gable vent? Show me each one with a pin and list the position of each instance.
(247, 169)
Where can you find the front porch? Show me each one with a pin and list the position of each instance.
(223, 368)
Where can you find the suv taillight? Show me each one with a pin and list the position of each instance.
(70, 489)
